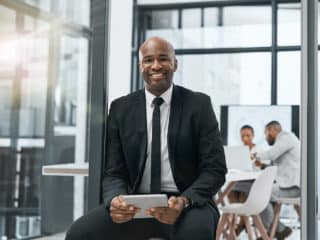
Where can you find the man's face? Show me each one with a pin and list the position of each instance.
(157, 66)
(270, 135)
(246, 136)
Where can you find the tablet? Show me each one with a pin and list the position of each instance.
(145, 201)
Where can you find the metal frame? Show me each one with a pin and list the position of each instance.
(309, 120)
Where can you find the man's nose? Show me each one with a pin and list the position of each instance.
(156, 65)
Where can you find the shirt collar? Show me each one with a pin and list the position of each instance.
(166, 96)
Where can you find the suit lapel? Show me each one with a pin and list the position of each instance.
(174, 123)
(140, 120)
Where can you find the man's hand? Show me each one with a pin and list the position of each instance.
(170, 214)
(120, 212)
(258, 163)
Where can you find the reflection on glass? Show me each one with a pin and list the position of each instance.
(289, 27)
(23, 79)
(227, 78)
(34, 71)
(289, 78)
(71, 10)
(24, 72)
(73, 67)
(164, 19)
(240, 27)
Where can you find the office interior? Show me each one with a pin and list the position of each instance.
(63, 62)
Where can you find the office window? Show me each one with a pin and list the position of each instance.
(227, 78)
(237, 24)
(43, 114)
(164, 19)
(289, 27)
(191, 18)
(211, 18)
(289, 65)
(71, 10)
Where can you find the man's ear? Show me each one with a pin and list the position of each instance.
(175, 64)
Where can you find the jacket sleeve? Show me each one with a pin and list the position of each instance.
(281, 145)
(115, 173)
(212, 166)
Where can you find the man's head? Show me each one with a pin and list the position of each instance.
(271, 131)
(247, 135)
(157, 64)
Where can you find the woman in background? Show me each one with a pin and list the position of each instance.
(241, 190)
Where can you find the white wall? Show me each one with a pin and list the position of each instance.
(120, 48)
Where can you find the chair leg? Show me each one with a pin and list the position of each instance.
(275, 221)
(258, 223)
(231, 224)
(221, 225)
(248, 227)
(298, 210)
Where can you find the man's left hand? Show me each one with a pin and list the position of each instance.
(170, 214)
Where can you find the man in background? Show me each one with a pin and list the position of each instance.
(285, 154)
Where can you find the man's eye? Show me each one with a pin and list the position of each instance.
(164, 59)
(147, 60)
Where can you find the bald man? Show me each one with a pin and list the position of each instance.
(161, 139)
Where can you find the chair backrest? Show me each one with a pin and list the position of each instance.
(260, 192)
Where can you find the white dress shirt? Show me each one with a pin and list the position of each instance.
(285, 154)
(167, 181)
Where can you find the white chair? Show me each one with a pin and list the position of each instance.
(257, 201)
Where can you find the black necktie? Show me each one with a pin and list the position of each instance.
(156, 147)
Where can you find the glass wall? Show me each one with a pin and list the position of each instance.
(216, 74)
(246, 51)
(44, 79)
(221, 27)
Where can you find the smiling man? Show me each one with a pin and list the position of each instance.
(162, 139)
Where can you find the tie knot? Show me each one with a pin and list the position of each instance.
(157, 101)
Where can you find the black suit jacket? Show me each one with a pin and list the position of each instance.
(195, 148)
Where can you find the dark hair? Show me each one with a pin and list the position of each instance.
(274, 124)
(247, 127)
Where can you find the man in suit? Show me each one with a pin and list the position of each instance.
(162, 139)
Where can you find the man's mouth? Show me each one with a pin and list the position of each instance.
(157, 75)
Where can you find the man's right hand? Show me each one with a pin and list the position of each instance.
(120, 212)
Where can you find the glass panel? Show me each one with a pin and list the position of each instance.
(227, 78)
(289, 24)
(43, 4)
(164, 19)
(71, 10)
(26, 205)
(70, 119)
(237, 24)
(289, 65)
(210, 17)
(191, 18)
(23, 79)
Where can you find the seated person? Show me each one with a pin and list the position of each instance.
(285, 154)
(240, 191)
(161, 139)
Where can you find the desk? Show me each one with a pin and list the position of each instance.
(232, 177)
(67, 169)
